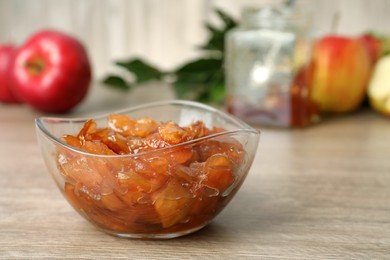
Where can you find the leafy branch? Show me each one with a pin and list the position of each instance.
(201, 79)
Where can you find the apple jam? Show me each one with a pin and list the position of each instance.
(138, 176)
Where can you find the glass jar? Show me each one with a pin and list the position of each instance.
(268, 68)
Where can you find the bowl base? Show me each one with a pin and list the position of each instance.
(156, 235)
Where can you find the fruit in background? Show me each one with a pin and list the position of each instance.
(379, 86)
(6, 94)
(342, 69)
(373, 45)
(51, 71)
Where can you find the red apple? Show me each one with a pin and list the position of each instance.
(6, 94)
(373, 45)
(342, 69)
(51, 71)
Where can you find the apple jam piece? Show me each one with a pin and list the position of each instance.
(172, 203)
(116, 142)
(78, 172)
(218, 172)
(130, 127)
(196, 130)
(171, 133)
(112, 202)
(143, 177)
(222, 145)
(88, 128)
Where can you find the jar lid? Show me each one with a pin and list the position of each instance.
(272, 17)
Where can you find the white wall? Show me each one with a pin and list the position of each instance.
(165, 32)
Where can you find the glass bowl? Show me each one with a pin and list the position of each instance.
(163, 193)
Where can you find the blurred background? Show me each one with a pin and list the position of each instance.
(167, 32)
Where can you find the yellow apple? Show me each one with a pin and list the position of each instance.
(342, 69)
(379, 87)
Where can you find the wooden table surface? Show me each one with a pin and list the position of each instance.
(316, 193)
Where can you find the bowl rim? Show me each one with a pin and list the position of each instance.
(243, 127)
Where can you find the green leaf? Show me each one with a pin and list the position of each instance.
(214, 89)
(205, 85)
(201, 65)
(187, 90)
(195, 74)
(212, 29)
(216, 40)
(217, 87)
(228, 20)
(193, 79)
(116, 82)
(141, 70)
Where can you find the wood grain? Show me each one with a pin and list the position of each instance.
(316, 193)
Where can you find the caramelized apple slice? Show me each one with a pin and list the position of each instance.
(172, 133)
(219, 173)
(115, 141)
(88, 128)
(172, 203)
(222, 145)
(129, 127)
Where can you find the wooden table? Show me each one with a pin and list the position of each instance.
(320, 192)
